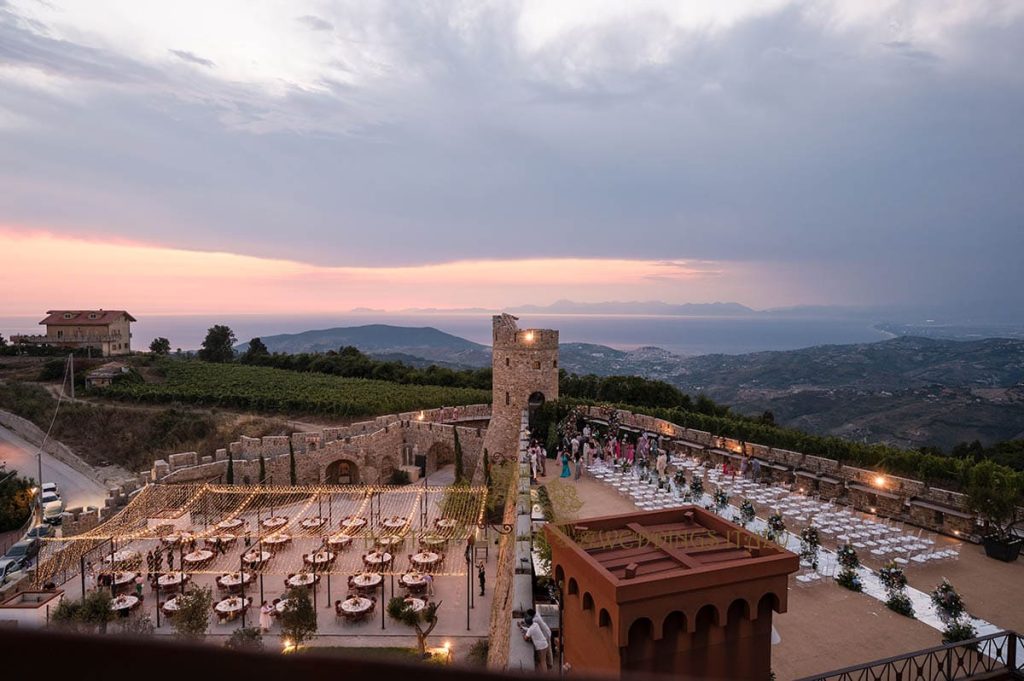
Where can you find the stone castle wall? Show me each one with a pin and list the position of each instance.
(376, 447)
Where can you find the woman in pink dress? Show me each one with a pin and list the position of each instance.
(616, 449)
(629, 452)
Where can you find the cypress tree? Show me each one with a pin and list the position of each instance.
(459, 473)
(230, 477)
(487, 468)
(263, 469)
(291, 464)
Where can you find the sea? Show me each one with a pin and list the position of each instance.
(677, 334)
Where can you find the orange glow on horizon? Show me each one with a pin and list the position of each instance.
(45, 270)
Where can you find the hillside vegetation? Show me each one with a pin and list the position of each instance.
(132, 438)
(281, 391)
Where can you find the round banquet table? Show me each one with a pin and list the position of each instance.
(235, 579)
(175, 538)
(446, 524)
(232, 604)
(353, 523)
(427, 559)
(389, 542)
(124, 603)
(281, 605)
(339, 541)
(225, 539)
(377, 559)
(367, 580)
(256, 558)
(171, 580)
(230, 524)
(170, 606)
(415, 604)
(198, 557)
(306, 579)
(356, 606)
(433, 541)
(394, 523)
(122, 556)
(313, 523)
(124, 578)
(275, 522)
(413, 580)
(319, 558)
(276, 540)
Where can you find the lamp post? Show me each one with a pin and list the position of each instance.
(469, 578)
(241, 580)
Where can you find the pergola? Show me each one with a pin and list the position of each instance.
(290, 523)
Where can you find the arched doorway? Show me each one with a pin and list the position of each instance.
(341, 472)
(533, 404)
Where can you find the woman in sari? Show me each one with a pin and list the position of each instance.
(566, 472)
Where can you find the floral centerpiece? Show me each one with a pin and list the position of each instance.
(849, 562)
(947, 602)
(809, 543)
(776, 527)
(747, 512)
(679, 478)
(696, 487)
(895, 583)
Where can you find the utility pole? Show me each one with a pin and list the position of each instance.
(71, 363)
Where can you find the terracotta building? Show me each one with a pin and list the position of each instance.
(108, 332)
(677, 591)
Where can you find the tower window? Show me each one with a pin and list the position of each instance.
(555, 364)
(506, 361)
(536, 365)
(508, 400)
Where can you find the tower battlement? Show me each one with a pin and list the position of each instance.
(524, 364)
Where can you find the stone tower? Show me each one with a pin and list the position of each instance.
(525, 374)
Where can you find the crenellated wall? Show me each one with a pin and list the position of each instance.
(373, 448)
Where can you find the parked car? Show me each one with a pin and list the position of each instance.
(7, 566)
(51, 487)
(24, 550)
(39, 532)
(53, 508)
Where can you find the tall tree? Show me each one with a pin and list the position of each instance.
(257, 348)
(263, 469)
(487, 468)
(218, 346)
(292, 475)
(298, 620)
(423, 621)
(160, 346)
(230, 477)
(460, 474)
(3, 341)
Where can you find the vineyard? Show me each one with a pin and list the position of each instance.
(278, 390)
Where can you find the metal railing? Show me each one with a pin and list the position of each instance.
(996, 656)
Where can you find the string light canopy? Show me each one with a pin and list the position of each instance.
(398, 516)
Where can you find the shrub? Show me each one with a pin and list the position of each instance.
(193, 616)
(400, 477)
(246, 638)
(958, 631)
(298, 620)
(477, 655)
(947, 601)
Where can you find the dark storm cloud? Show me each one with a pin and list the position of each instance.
(875, 164)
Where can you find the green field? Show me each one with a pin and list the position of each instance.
(277, 390)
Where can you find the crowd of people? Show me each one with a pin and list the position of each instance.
(576, 452)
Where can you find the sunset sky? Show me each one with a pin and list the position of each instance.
(198, 157)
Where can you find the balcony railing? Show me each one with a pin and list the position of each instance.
(996, 656)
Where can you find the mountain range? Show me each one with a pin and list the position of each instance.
(907, 391)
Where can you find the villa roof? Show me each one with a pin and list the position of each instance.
(84, 317)
(670, 550)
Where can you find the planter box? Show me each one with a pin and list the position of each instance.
(1005, 550)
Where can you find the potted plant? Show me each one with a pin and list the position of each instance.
(995, 493)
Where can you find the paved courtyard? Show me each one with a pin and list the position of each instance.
(271, 535)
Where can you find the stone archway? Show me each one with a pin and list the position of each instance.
(341, 472)
(439, 454)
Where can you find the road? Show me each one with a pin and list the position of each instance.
(76, 489)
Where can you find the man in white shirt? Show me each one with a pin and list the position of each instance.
(538, 621)
(534, 633)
